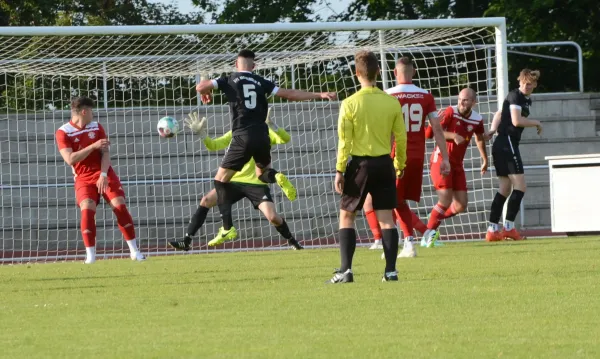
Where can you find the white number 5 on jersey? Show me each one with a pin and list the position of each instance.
(413, 116)
(250, 96)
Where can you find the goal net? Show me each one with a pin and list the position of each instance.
(136, 75)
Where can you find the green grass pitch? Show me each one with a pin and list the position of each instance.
(530, 299)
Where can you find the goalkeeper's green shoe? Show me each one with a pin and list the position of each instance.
(286, 186)
(224, 236)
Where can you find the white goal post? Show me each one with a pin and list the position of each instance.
(137, 74)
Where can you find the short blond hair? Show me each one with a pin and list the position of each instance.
(366, 64)
(528, 75)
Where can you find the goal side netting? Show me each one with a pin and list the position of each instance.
(136, 79)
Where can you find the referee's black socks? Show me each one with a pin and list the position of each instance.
(390, 248)
(224, 203)
(347, 248)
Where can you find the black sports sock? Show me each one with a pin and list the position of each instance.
(497, 206)
(268, 176)
(284, 230)
(514, 204)
(197, 221)
(224, 204)
(390, 248)
(347, 248)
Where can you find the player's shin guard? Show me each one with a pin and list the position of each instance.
(514, 204)
(405, 219)
(417, 223)
(125, 222)
(197, 221)
(390, 248)
(347, 248)
(436, 216)
(268, 176)
(496, 210)
(373, 224)
(224, 204)
(88, 227)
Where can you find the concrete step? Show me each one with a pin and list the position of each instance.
(571, 127)
(537, 150)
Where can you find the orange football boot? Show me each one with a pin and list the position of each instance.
(512, 234)
(493, 236)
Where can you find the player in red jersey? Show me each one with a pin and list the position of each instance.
(83, 145)
(418, 105)
(460, 123)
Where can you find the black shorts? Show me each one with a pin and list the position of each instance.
(507, 157)
(257, 194)
(244, 146)
(374, 175)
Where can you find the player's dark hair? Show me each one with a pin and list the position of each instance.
(405, 61)
(366, 64)
(247, 54)
(78, 103)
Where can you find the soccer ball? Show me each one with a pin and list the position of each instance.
(167, 127)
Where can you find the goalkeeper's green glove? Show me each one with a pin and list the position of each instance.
(198, 126)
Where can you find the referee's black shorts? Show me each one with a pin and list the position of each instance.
(253, 143)
(506, 156)
(374, 175)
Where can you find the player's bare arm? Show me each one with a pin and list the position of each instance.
(520, 121)
(72, 158)
(102, 182)
(440, 141)
(480, 139)
(205, 88)
(494, 126)
(455, 137)
(298, 95)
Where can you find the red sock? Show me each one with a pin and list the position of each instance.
(405, 215)
(88, 227)
(417, 223)
(373, 224)
(436, 216)
(125, 222)
(450, 212)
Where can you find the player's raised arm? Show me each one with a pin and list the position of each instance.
(437, 132)
(516, 117)
(298, 95)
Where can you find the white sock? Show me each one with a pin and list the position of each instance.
(508, 225)
(493, 227)
(90, 252)
(132, 246)
(377, 241)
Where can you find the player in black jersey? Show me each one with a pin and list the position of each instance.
(509, 124)
(247, 95)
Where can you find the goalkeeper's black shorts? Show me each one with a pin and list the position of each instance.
(507, 157)
(374, 175)
(252, 143)
(255, 193)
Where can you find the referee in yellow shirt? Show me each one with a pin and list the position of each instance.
(367, 121)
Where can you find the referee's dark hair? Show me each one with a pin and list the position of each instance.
(367, 65)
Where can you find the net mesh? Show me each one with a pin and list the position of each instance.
(138, 79)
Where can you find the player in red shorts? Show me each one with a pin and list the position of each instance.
(418, 105)
(460, 123)
(83, 145)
